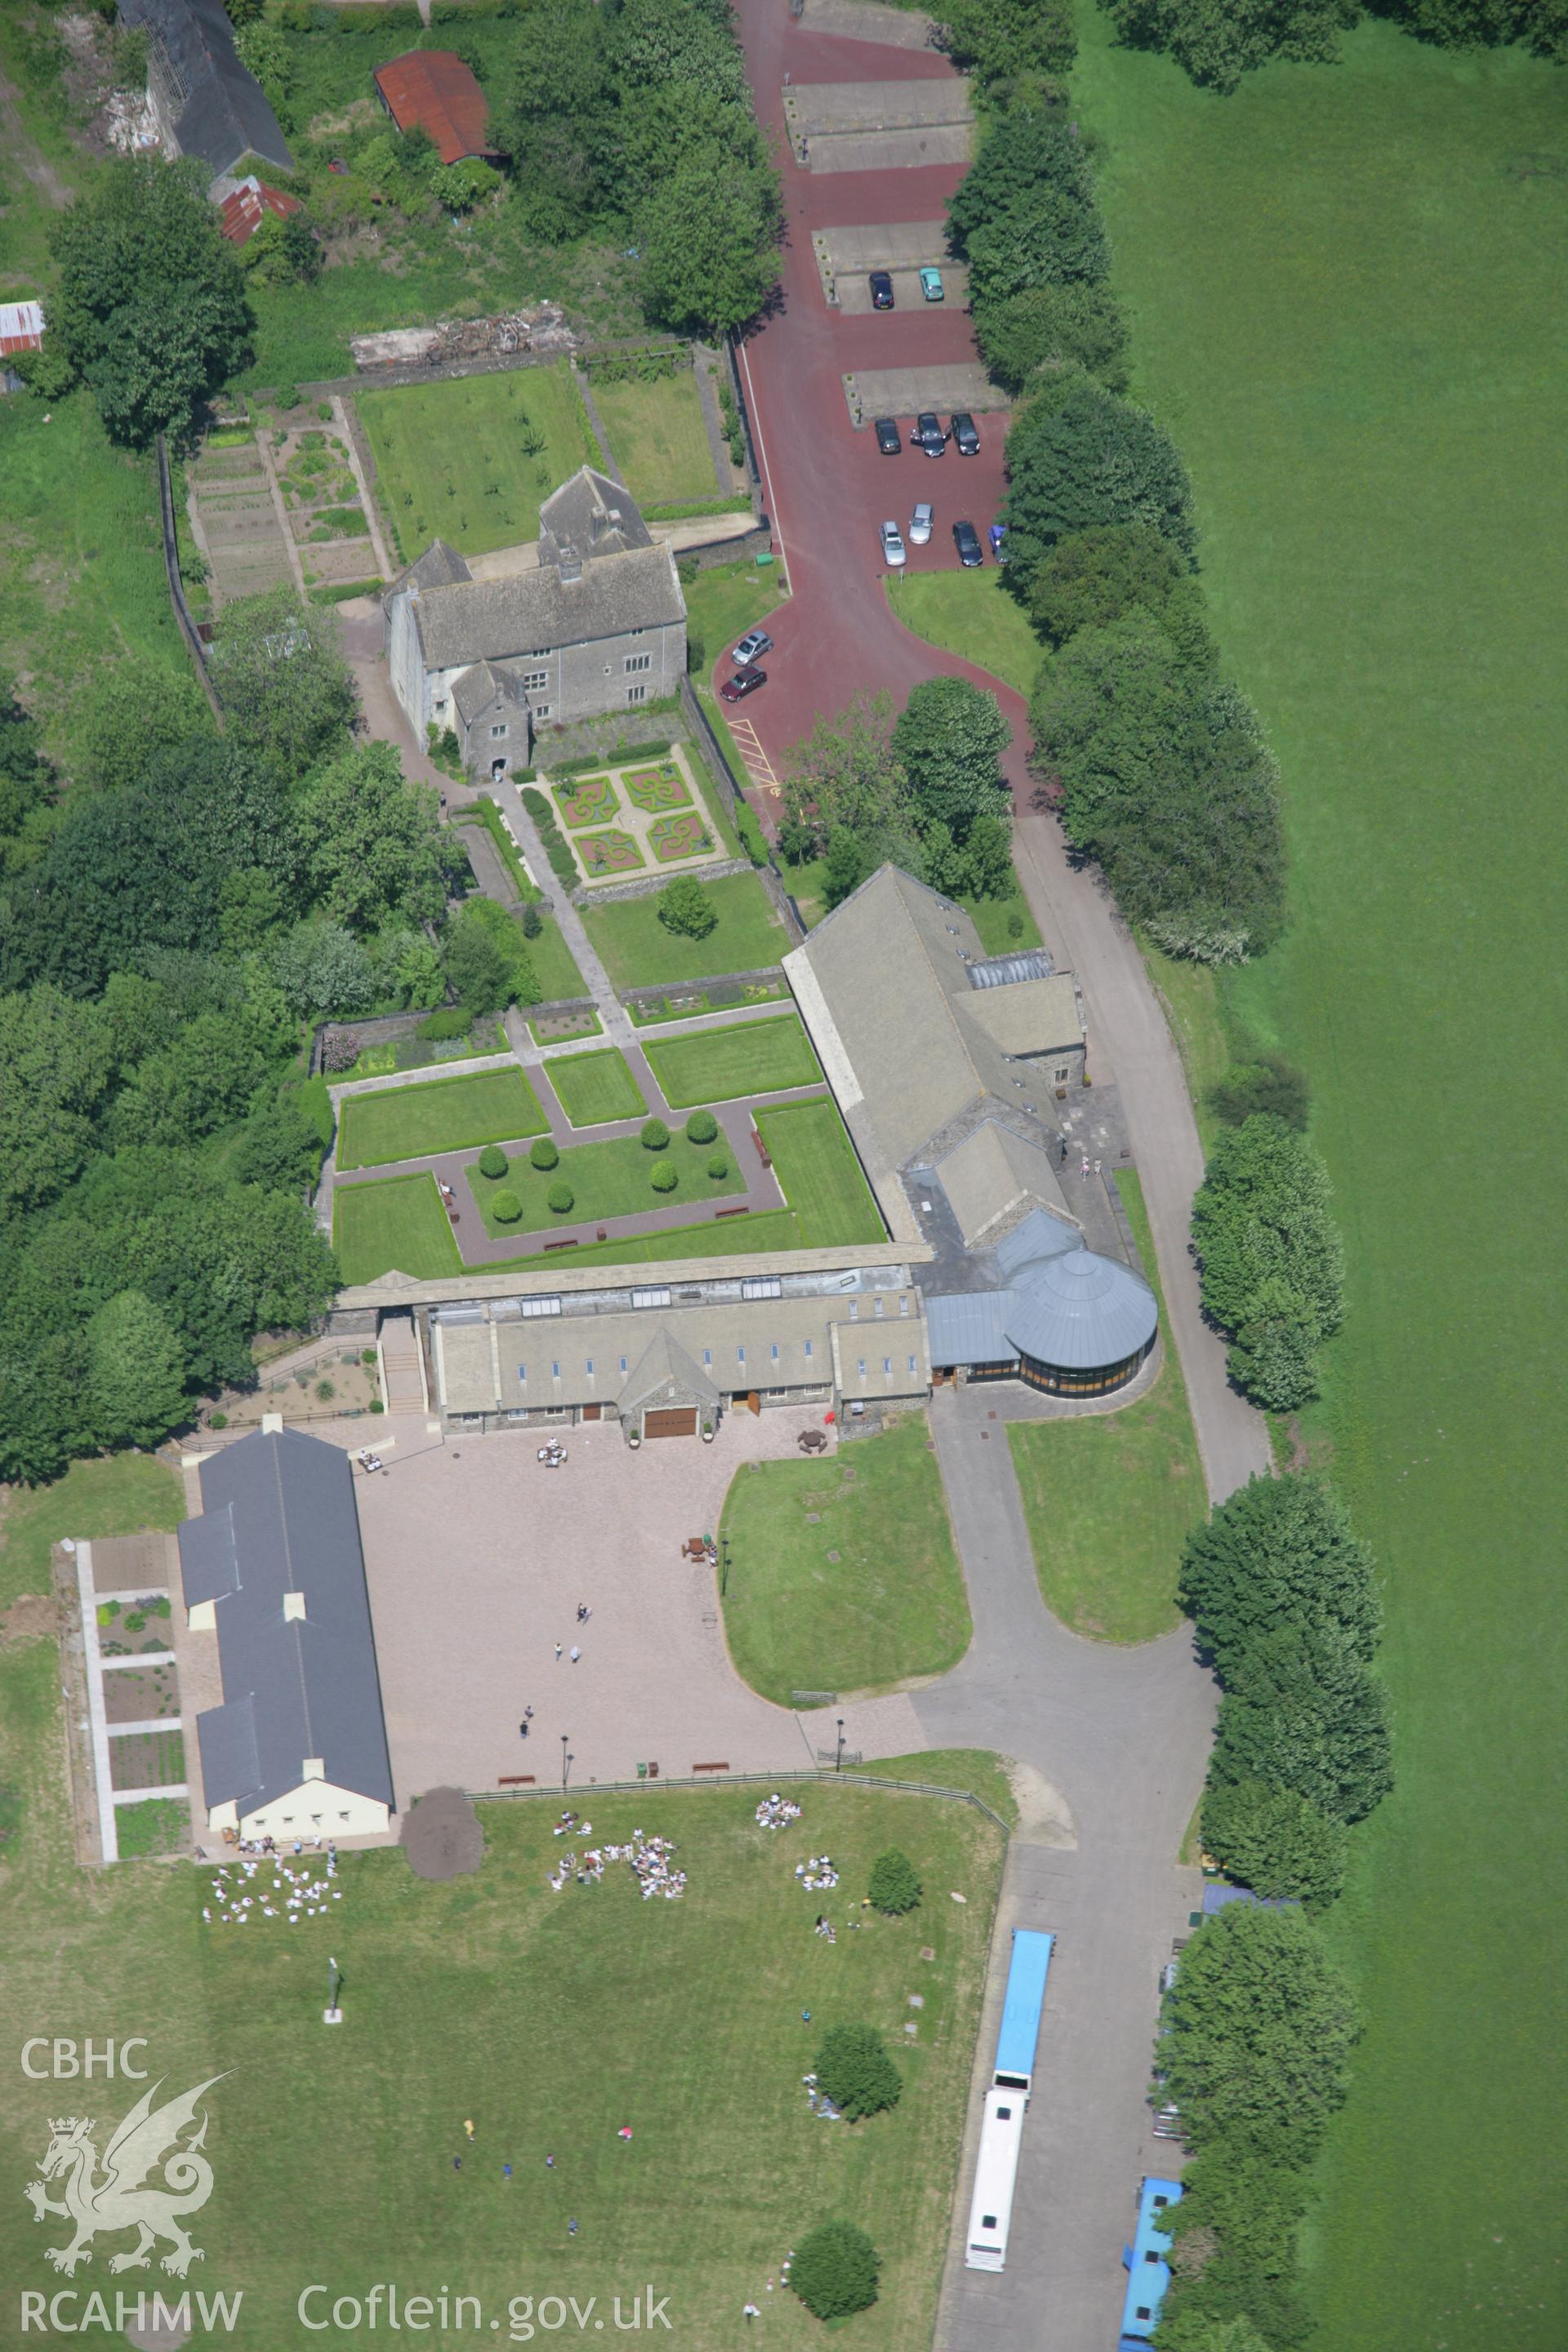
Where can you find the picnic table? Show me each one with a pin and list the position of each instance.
(812, 1441)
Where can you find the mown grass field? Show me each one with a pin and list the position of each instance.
(639, 953)
(444, 1115)
(1110, 1498)
(610, 1178)
(1345, 290)
(843, 1575)
(593, 1087)
(821, 1178)
(394, 1221)
(547, 2019)
(659, 440)
(970, 613)
(451, 461)
(750, 1058)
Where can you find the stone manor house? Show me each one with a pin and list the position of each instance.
(597, 623)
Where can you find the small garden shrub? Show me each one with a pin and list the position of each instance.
(663, 1178)
(341, 1052)
(719, 1166)
(217, 1421)
(544, 1153)
(856, 2072)
(894, 1886)
(325, 1391)
(448, 1022)
(835, 2270)
(655, 1136)
(493, 1161)
(533, 922)
(560, 1197)
(506, 1208)
(701, 1127)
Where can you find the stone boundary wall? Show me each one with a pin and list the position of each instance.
(187, 626)
(766, 975)
(646, 886)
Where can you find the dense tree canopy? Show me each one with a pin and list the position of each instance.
(1091, 578)
(1024, 149)
(57, 1056)
(1270, 1252)
(710, 244)
(1217, 41)
(1026, 334)
(949, 738)
(1079, 457)
(377, 851)
(1274, 1839)
(1278, 1549)
(148, 308)
(1301, 1710)
(285, 686)
(835, 2270)
(1001, 40)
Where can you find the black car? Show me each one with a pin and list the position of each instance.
(890, 440)
(928, 433)
(881, 290)
(965, 439)
(966, 539)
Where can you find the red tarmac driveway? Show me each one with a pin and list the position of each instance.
(825, 485)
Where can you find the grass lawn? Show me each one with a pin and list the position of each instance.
(1344, 286)
(720, 606)
(593, 1087)
(711, 2190)
(1110, 1497)
(752, 1058)
(554, 965)
(397, 1222)
(639, 953)
(114, 1495)
(823, 1181)
(659, 440)
(970, 613)
(843, 1575)
(608, 1179)
(450, 461)
(767, 1230)
(446, 1115)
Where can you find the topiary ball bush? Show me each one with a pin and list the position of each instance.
(217, 1421)
(835, 2270)
(560, 1197)
(719, 1166)
(506, 1208)
(544, 1152)
(857, 2072)
(894, 1886)
(663, 1178)
(701, 1127)
(493, 1161)
(655, 1135)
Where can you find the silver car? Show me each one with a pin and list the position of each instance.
(920, 525)
(892, 546)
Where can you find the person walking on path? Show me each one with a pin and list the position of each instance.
(522, 1729)
(558, 1653)
(576, 1654)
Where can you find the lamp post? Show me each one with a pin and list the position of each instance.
(565, 1762)
(838, 1759)
(332, 2014)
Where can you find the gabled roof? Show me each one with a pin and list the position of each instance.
(492, 620)
(592, 515)
(279, 1518)
(220, 111)
(485, 684)
(994, 1176)
(21, 328)
(435, 89)
(245, 208)
(666, 1375)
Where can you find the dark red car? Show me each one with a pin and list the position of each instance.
(745, 681)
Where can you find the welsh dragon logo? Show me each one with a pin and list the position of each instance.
(103, 2196)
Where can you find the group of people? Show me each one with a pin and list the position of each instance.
(775, 1810)
(819, 2103)
(816, 1871)
(369, 1461)
(650, 1859)
(301, 1895)
(554, 1455)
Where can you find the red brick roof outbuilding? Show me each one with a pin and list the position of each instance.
(434, 88)
(241, 213)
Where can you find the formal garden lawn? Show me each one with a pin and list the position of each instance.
(659, 440)
(554, 966)
(639, 953)
(594, 1088)
(447, 1115)
(1345, 289)
(334, 2152)
(453, 458)
(397, 1222)
(1110, 1498)
(750, 1058)
(843, 1575)
(820, 1176)
(612, 1179)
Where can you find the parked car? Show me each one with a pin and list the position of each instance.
(892, 546)
(998, 537)
(881, 290)
(931, 285)
(928, 433)
(752, 647)
(745, 681)
(966, 539)
(920, 525)
(890, 440)
(965, 439)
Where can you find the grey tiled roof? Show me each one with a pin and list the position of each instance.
(438, 567)
(488, 620)
(593, 514)
(307, 1687)
(224, 114)
(476, 689)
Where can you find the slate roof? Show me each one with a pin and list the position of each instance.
(992, 1175)
(435, 89)
(490, 620)
(667, 1373)
(438, 567)
(476, 688)
(223, 114)
(279, 1517)
(1065, 1306)
(592, 515)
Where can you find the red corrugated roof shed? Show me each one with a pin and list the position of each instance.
(242, 214)
(434, 88)
(21, 328)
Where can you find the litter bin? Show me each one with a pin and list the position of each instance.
(642, 1771)
(764, 559)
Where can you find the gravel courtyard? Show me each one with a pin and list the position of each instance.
(478, 1557)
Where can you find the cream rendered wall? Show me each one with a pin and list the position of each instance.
(314, 1805)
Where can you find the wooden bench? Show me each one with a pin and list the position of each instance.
(515, 1781)
(710, 1768)
(762, 1152)
(573, 1242)
(733, 1213)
